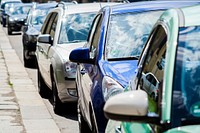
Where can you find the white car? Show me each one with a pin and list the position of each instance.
(150, 84)
(65, 28)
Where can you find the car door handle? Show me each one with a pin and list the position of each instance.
(83, 71)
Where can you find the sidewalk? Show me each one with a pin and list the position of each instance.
(21, 108)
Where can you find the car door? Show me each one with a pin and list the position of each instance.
(43, 48)
(87, 70)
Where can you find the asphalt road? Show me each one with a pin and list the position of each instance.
(67, 123)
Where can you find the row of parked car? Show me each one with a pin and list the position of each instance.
(132, 62)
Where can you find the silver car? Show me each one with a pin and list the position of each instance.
(65, 28)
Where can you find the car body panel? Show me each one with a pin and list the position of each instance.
(185, 129)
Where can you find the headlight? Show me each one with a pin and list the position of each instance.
(110, 87)
(70, 69)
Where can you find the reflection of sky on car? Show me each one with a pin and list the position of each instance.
(128, 32)
(21, 10)
(38, 16)
(187, 79)
(75, 27)
(9, 7)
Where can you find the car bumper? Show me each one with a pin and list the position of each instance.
(67, 91)
(30, 48)
(15, 26)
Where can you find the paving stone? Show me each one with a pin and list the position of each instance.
(7, 103)
(34, 112)
(42, 126)
(8, 107)
(27, 95)
(34, 102)
(25, 88)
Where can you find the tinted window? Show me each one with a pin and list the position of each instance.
(186, 87)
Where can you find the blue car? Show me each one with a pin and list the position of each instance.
(108, 60)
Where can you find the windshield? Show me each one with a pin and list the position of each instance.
(128, 32)
(75, 28)
(186, 88)
(38, 16)
(21, 10)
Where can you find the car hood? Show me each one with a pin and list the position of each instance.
(185, 129)
(65, 49)
(122, 71)
(34, 30)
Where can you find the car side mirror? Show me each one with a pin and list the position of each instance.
(45, 38)
(129, 106)
(81, 55)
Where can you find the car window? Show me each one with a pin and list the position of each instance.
(21, 10)
(128, 32)
(44, 26)
(95, 35)
(49, 23)
(153, 64)
(149, 77)
(75, 27)
(38, 16)
(186, 82)
(53, 26)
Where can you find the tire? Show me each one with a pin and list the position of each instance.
(9, 30)
(57, 104)
(83, 126)
(29, 63)
(43, 89)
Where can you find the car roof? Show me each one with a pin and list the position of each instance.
(45, 5)
(150, 6)
(190, 15)
(86, 7)
(182, 17)
(23, 4)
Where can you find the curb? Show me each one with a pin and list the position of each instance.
(34, 113)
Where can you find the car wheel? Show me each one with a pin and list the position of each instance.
(29, 63)
(42, 87)
(57, 104)
(9, 30)
(83, 126)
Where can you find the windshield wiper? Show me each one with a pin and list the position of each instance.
(124, 58)
(76, 41)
